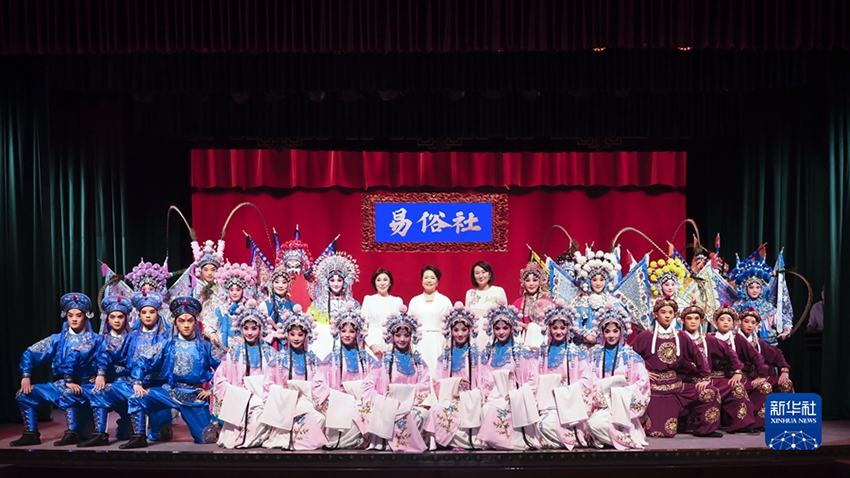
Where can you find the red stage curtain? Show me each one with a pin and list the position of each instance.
(590, 217)
(361, 170)
(407, 26)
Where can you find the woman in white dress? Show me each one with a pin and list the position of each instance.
(429, 307)
(377, 307)
(483, 296)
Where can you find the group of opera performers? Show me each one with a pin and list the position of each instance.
(583, 386)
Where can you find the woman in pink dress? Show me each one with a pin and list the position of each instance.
(565, 384)
(396, 391)
(621, 376)
(342, 373)
(248, 356)
(293, 407)
(508, 380)
(455, 419)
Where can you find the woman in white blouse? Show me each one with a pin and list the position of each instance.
(482, 296)
(429, 307)
(377, 307)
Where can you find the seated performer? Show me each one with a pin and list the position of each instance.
(665, 352)
(404, 381)
(752, 278)
(243, 368)
(208, 258)
(342, 373)
(565, 384)
(238, 281)
(621, 387)
(186, 363)
(749, 323)
(72, 353)
(726, 372)
(454, 421)
(293, 393)
(508, 380)
(115, 327)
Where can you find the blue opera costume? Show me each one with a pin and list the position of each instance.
(186, 365)
(115, 361)
(73, 361)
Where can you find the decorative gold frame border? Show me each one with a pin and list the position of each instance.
(500, 222)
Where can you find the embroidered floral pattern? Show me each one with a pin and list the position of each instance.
(667, 353)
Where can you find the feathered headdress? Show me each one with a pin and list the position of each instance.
(402, 320)
(210, 253)
(752, 269)
(502, 312)
(455, 315)
(336, 264)
(594, 264)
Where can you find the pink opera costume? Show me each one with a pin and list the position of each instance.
(456, 417)
(534, 282)
(237, 283)
(239, 380)
(621, 391)
(334, 274)
(667, 352)
(294, 399)
(395, 391)
(565, 382)
(597, 276)
(342, 374)
(508, 380)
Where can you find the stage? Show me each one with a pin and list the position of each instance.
(683, 455)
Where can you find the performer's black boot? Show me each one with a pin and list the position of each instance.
(71, 436)
(97, 439)
(28, 438)
(136, 441)
(710, 435)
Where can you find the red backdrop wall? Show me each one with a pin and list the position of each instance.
(589, 214)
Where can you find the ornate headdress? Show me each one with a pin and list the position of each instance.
(750, 312)
(116, 302)
(280, 271)
(502, 312)
(665, 301)
(336, 264)
(752, 269)
(350, 315)
(294, 250)
(241, 275)
(693, 308)
(661, 271)
(402, 320)
(560, 311)
(726, 309)
(147, 273)
(185, 305)
(597, 263)
(75, 300)
(297, 318)
(210, 253)
(455, 315)
(145, 299)
(613, 314)
(534, 269)
(250, 311)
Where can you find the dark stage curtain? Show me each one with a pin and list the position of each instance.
(67, 203)
(217, 168)
(407, 26)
